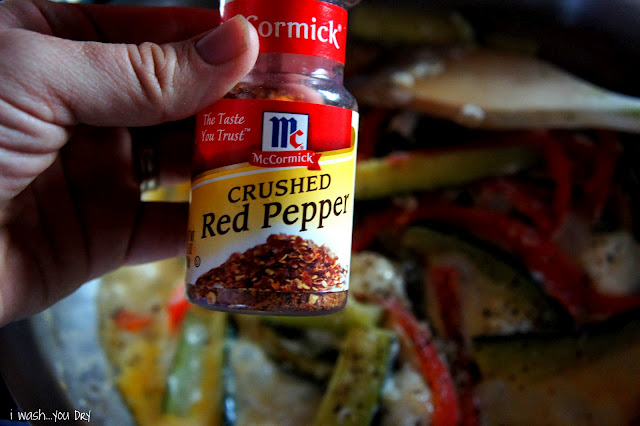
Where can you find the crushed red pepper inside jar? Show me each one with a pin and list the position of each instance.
(247, 91)
(285, 263)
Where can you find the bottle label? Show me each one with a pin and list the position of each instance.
(307, 27)
(272, 198)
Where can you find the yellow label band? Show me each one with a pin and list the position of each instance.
(236, 210)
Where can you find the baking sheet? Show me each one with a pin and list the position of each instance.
(53, 363)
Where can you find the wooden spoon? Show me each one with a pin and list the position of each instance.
(492, 89)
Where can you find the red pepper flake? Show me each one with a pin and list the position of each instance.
(286, 274)
(285, 263)
(248, 91)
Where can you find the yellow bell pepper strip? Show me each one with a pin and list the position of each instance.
(403, 172)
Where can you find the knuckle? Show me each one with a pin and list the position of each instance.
(155, 68)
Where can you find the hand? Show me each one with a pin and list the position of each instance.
(74, 78)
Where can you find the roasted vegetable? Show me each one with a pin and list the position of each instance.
(257, 391)
(131, 321)
(354, 315)
(560, 276)
(436, 373)
(404, 172)
(177, 308)
(297, 350)
(589, 377)
(490, 89)
(495, 297)
(389, 24)
(495, 247)
(354, 389)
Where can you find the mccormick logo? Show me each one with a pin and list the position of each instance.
(284, 131)
(284, 142)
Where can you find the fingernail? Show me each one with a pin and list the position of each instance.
(225, 42)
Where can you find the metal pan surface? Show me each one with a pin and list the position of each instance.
(53, 362)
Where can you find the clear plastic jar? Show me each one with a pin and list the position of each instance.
(280, 162)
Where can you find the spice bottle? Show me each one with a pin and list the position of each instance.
(271, 211)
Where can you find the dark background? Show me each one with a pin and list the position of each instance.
(6, 402)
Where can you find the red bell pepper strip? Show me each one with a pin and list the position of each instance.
(370, 128)
(131, 321)
(177, 308)
(445, 282)
(595, 160)
(598, 187)
(605, 305)
(561, 278)
(523, 199)
(559, 167)
(366, 230)
(446, 409)
(469, 406)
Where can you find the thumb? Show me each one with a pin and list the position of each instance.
(133, 85)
